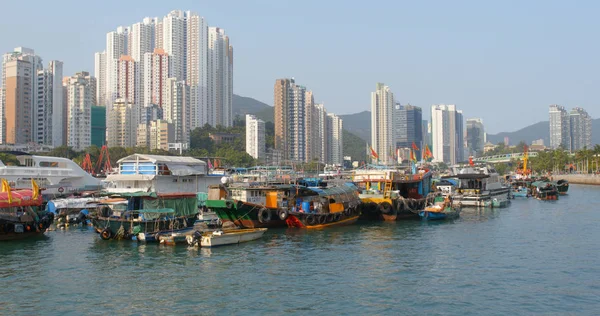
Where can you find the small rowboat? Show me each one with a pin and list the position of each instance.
(442, 209)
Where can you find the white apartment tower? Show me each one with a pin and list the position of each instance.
(80, 95)
(177, 109)
(560, 127)
(321, 123)
(48, 111)
(184, 40)
(255, 137)
(580, 129)
(447, 134)
(382, 129)
(156, 72)
(220, 70)
(335, 139)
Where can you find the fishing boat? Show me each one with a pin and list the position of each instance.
(260, 205)
(520, 187)
(144, 212)
(392, 194)
(331, 207)
(562, 186)
(479, 186)
(72, 210)
(442, 208)
(21, 215)
(544, 190)
(222, 238)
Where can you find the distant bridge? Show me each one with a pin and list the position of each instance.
(503, 158)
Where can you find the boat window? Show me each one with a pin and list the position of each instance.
(46, 164)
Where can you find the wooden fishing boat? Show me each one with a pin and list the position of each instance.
(544, 190)
(222, 238)
(392, 194)
(520, 188)
(441, 209)
(144, 212)
(21, 215)
(562, 186)
(265, 206)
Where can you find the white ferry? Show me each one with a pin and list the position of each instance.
(54, 175)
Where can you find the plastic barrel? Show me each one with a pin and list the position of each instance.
(306, 206)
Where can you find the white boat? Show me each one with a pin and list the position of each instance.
(54, 175)
(480, 186)
(228, 237)
(165, 174)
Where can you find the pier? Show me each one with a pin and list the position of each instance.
(579, 178)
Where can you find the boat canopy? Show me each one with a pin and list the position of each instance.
(159, 210)
(19, 198)
(541, 184)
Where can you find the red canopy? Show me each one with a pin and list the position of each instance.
(19, 198)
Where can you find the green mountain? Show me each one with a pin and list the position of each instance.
(537, 131)
(358, 124)
(244, 105)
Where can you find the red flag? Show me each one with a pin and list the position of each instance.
(471, 161)
(414, 147)
(374, 153)
(210, 166)
(427, 153)
(412, 156)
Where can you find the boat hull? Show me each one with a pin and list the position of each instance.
(481, 200)
(435, 216)
(231, 237)
(378, 208)
(244, 214)
(149, 228)
(318, 221)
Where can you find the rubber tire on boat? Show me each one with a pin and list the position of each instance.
(322, 219)
(385, 208)
(264, 215)
(329, 218)
(283, 214)
(310, 219)
(337, 217)
(229, 204)
(106, 234)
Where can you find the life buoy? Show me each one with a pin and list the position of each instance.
(283, 214)
(385, 208)
(264, 215)
(106, 234)
(311, 220)
(229, 204)
(61, 190)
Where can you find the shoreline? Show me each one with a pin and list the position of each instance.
(579, 178)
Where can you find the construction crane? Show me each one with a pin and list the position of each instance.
(525, 160)
(87, 164)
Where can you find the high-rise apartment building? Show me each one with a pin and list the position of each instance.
(177, 109)
(100, 74)
(155, 135)
(290, 129)
(181, 38)
(335, 139)
(48, 118)
(408, 127)
(255, 137)
(220, 81)
(122, 124)
(560, 127)
(382, 122)
(447, 134)
(321, 127)
(475, 136)
(81, 92)
(580, 124)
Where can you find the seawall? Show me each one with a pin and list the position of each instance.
(579, 178)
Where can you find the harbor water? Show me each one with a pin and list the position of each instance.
(534, 257)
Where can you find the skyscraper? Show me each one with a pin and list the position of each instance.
(220, 81)
(182, 37)
(408, 127)
(382, 122)
(321, 123)
(447, 133)
(475, 136)
(100, 74)
(559, 127)
(335, 139)
(48, 118)
(81, 90)
(289, 106)
(177, 109)
(580, 124)
(255, 137)
(122, 124)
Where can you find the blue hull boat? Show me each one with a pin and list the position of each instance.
(523, 192)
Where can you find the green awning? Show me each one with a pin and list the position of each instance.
(159, 210)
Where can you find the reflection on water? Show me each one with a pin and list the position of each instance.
(535, 257)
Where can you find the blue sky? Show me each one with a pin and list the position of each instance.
(503, 61)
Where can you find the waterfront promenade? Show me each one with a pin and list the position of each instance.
(579, 178)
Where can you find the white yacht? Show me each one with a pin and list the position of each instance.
(54, 175)
(480, 186)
